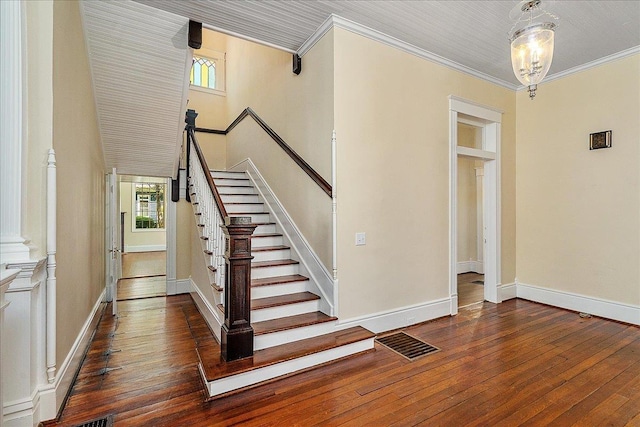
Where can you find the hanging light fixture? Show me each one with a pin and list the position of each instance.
(532, 44)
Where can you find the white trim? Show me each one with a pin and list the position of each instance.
(400, 317)
(582, 303)
(46, 400)
(507, 291)
(171, 241)
(209, 312)
(601, 61)
(145, 248)
(476, 153)
(470, 266)
(235, 382)
(375, 35)
(177, 287)
(319, 274)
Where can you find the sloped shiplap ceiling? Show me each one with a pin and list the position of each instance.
(473, 34)
(139, 62)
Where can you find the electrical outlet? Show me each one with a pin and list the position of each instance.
(361, 239)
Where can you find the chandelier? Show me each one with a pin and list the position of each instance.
(531, 44)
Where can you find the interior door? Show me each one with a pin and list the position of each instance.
(114, 240)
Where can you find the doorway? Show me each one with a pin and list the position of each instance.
(470, 241)
(474, 138)
(143, 221)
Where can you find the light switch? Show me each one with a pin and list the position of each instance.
(361, 239)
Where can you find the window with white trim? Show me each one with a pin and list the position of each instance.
(208, 71)
(149, 204)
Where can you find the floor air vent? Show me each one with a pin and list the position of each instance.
(407, 346)
(101, 422)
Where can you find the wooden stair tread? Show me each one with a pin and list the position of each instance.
(278, 280)
(273, 263)
(266, 235)
(214, 367)
(244, 203)
(290, 322)
(260, 303)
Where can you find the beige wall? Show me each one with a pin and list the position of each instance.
(132, 239)
(184, 229)
(392, 122)
(39, 117)
(300, 109)
(81, 182)
(579, 210)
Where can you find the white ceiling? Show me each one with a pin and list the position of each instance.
(471, 33)
(140, 61)
(139, 64)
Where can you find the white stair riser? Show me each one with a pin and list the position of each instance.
(227, 384)
(271, 255)
(223, 174)
(236, 190)
(261, 242)
(290, 335)
(285, 310)
(274, 271)
(231, 209)
(242, 198)
(256, 217)
(265, 229)
(280, 289)
(234, 182)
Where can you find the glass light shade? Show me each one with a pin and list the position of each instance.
(532, 53)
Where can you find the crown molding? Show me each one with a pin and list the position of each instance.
(604, 60)
(335, 21)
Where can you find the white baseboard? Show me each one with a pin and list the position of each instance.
(399, 318)
(581, 303)
(470, 267)
(145, 248)
(507, 291)
(48, 398)
(320, 277)
(209, 312)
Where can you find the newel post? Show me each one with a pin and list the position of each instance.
(237, 333)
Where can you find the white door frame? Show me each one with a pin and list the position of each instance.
(489, 119)
(113, 252)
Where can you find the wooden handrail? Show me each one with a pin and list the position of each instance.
(315, 176)
(207, 173)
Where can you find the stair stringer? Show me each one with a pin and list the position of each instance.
(310, 264)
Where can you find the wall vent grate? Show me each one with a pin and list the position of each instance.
(101, 422)
(406, 345)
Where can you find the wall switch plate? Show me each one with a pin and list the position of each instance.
(361, 239)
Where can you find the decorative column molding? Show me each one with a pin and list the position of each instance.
(51, 266)
(12, 245)
(24, 337)
(6, 277)
(334, 214)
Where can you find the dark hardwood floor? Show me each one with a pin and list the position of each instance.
(516, 363)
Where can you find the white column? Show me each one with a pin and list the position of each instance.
(6, 277)
(479, 219)
(12, 245)
(51, 266)
(334, 214)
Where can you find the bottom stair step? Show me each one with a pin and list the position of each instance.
(222, 378)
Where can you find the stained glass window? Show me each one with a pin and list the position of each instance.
(203, 72)
(207, 71)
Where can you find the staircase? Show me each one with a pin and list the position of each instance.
(291, 334)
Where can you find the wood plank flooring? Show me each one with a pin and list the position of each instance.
(144, 264)
(516, 363)
(469, 292)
